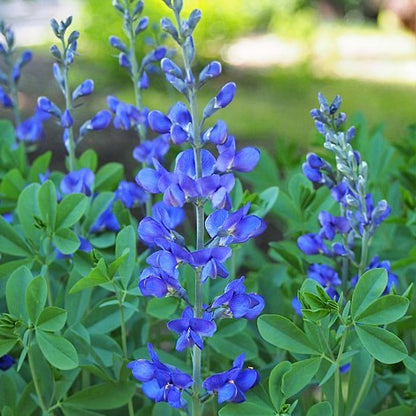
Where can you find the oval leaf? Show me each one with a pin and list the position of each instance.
(66, 241)
(275, 382)
(15, 286)
(370, 286)
(319, 409)
(52, 319)
(384, 310)
(70, 210)
(300, 375)
(283, 333)
(103, 396)
(57, 350)
(35, 297)
(381, 344)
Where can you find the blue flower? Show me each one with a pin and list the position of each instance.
(161, 382)
(331, 225)
(6, 361)
(107, 221)
(232, 384)
(86, 88)
(78, 181)
(192, 329)
(210, 261)
(158, 283)
(31, 130)
(325, 275)
(229, 160)
(152, 149)
(312, 244)
(126, 115)
(238, 302)
(5, 99)
(234, 227)
(130, 194)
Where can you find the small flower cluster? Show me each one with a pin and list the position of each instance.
(64, 58)
(359, 218)
(205, 181)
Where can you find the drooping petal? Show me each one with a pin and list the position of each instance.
(246, 159)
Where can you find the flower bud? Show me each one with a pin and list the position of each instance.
(117, 43)
(169, 27)
(142, 25)
(212, 70)
(66, 119)
(86, 88)
(169, 67)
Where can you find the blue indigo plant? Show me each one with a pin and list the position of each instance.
(204, 181)
(347, 300)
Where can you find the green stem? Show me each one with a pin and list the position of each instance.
(124, 345)
(364, 252)
(337, 381)
(36, 384)
(363, 388)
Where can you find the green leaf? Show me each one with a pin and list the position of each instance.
(27, 209)
(7, 268)
(7, 133)
(383, 311)
(16, 286)
(52, 319)
(234, 346)
(247, 408)
(381, 344)
(70, 210)
(360, 380)
(370, 286)
(320, 409)
(126, 239)
(75, 411)
(39, 166)
(6, 344)
(103, 396)
(35, 297)
(11, 242)
(57, 350)
(283, 333)
(410, 364)
(397, 411)
(97, 276)
(66, 241)
(98, 206)
(108, 177)
(12, 184)
(299, 376)
(275, 383)
(88, 160)
(267, 200)
(47, 204)
(162, 308)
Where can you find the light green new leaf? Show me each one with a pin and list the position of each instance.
(47, 204)
(12, 184)
(103, 396)
(275, 384)
(97, 276)
(57, 350)
(370, 286)
(52, 319)
(299, 376)
(381, 344)
(384, 310)
(283, 333)
(66, 241)
(35, 297)
(70, 210)
(320, 409)
(108, 177)
(16, 286)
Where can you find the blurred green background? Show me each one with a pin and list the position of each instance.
(281, 53)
